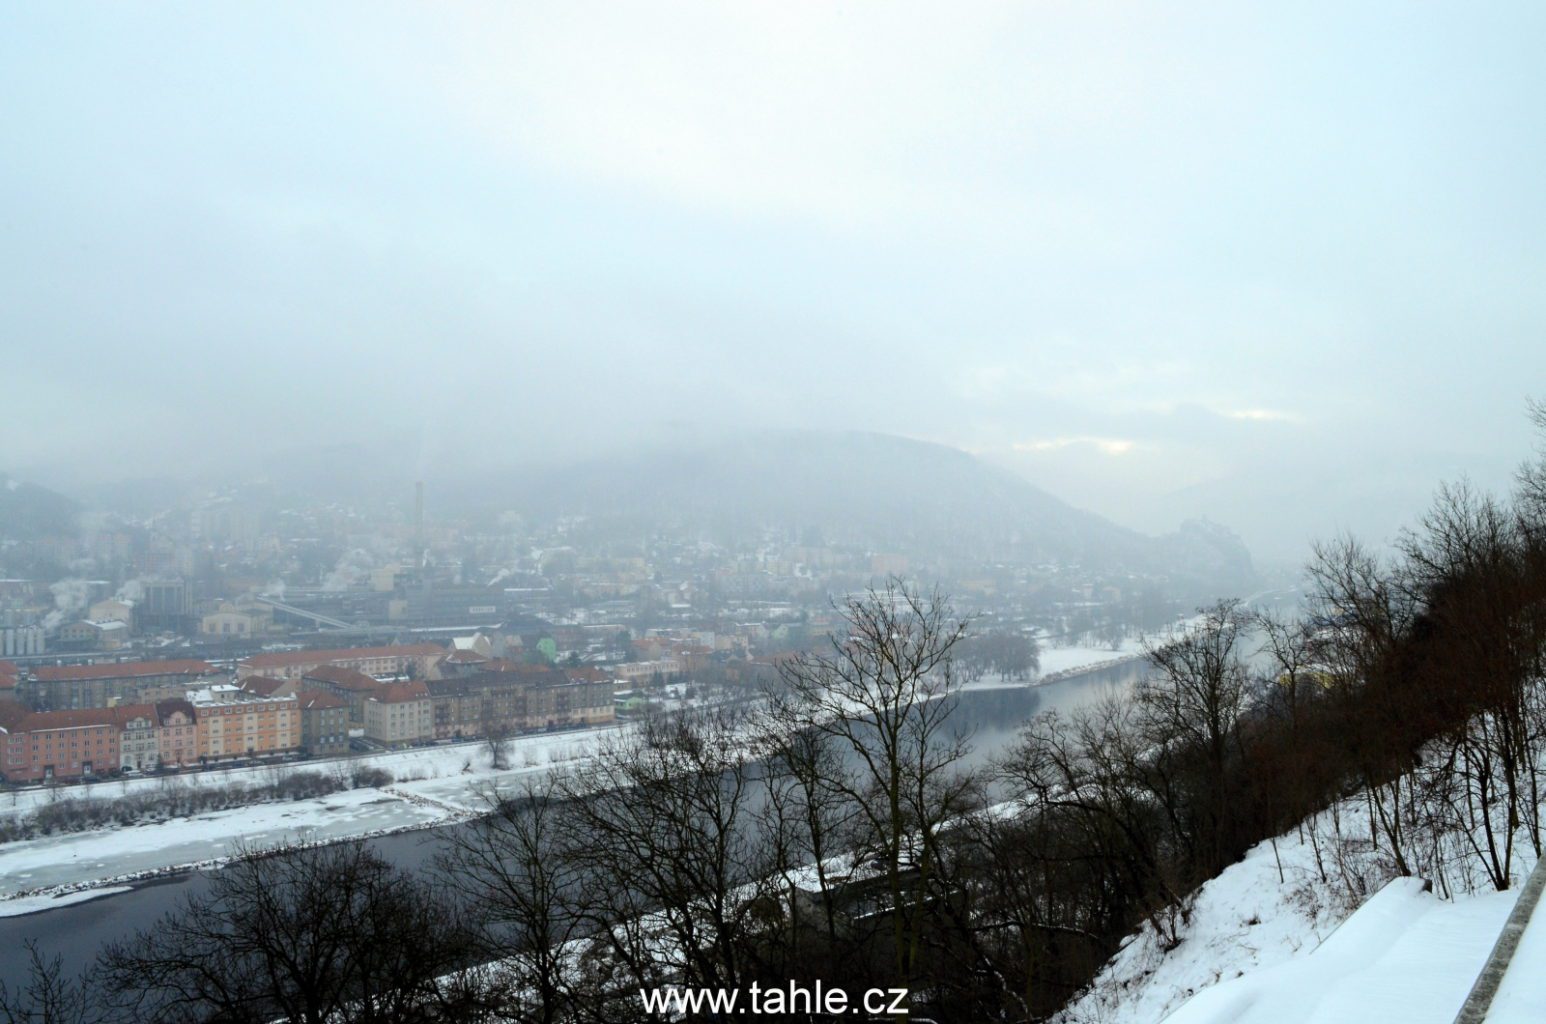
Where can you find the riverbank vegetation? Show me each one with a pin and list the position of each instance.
(173, 799)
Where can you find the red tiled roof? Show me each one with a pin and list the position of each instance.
(317, 700)
(12, 714)
(166, 708)
(128, 711)
(122, 670)
(74, 718)
(347, 678)
(401, 693)
(263, 686)
(281, 659)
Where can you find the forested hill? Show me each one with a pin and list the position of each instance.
(28, 512)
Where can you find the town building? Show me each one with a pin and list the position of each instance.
(324, 724)
(399, 714)
(641, 672)
(139, 746)
(57, 687)
(233, 620)
(569, 705)
(235, 723)
(464, 707)
(405, 660)
(177, 733)
(527, 698)
(45, 745)
(113, 609)
(94, 635)
(348, 685)
(165, 603)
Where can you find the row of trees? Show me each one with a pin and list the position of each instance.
(175, 798)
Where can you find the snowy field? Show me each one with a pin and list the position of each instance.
(1055, 661)
(435, 785)
(537, 750)
(1521, 999)
(83, 857)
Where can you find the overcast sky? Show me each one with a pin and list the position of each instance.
(1282, 264)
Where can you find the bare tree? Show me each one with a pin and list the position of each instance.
(883, 693)
(312, 936)
(1193, 704)
(49, 995)
(659, 823)
(510, 864)
(497, 734)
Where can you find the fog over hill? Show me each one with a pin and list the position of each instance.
(930, 502)
(934, 504)
(28, 512)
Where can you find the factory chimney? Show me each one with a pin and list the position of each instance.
(418, 523)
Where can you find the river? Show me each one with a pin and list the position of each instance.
(77, 931)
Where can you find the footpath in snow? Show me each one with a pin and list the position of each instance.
(1521, 997)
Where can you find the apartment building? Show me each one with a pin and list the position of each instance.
(348, 685)
(43, 745)
(324, 724)
(177, 739)
(138, 745)
(399, 714)
(233, 722)
(413, 660)
(59, 687)
(521, 699)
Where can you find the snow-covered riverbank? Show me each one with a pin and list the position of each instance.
(434, 785)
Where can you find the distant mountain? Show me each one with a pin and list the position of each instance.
(927, 501)
(29, 512)
(888, 494)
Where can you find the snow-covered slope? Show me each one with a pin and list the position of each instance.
(1405, 955)
(1244, 919)
(1317, 932)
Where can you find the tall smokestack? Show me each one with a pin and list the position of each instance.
(418, 522)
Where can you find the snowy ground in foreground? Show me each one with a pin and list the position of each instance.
(436, 784)
(1405, 955)
(1260, 949)
(1521, 999)
(1242, 920)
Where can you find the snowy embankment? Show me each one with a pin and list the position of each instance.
(435, 785)
(1058, 662)
(1328, 937)
(1405, 955)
